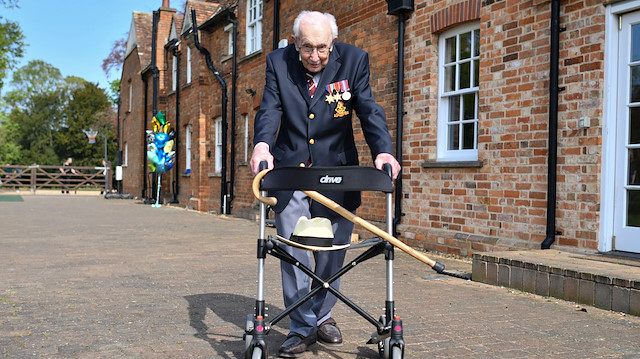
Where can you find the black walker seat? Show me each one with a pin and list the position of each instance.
(388, 334)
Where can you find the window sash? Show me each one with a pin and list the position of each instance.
(188, 65)
(218, 145)
(458, 69)
(254, 26)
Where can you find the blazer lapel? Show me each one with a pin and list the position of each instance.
(297, 74)
(328, 74)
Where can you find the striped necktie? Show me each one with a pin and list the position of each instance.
(311, 84)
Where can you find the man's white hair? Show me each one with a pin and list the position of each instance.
(315, 16)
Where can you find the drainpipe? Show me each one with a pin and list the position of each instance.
(155, 76)
(176, 189)
(400, 12)
(276, 23)
(223, 84)
(553, 125)
(144, 140)
(234, 77)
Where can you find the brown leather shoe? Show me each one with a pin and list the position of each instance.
(329, 333)
(295, 345)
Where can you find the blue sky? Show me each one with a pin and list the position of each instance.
(75, 36)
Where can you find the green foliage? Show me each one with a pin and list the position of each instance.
(11, 46)
(47, 116)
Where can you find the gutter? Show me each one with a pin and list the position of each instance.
(553, 126)
(207, 57)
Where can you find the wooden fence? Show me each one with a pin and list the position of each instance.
(35, 177)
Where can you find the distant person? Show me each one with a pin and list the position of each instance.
(66, 171)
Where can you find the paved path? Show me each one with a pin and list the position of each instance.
(86, 277)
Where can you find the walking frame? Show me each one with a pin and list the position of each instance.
(388, 334)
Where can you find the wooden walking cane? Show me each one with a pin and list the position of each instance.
(272, 201)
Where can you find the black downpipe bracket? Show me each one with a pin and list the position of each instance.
(553, 125)
(176, 188)
(223, 84)
(234, 77)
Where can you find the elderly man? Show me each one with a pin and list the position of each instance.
(312, 89)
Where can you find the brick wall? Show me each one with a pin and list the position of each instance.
(503, 204)
(500, 205)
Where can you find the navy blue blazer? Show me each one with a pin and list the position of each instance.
(298, 127)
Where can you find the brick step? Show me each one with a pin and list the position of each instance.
(605, 281)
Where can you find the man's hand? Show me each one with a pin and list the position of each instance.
(260, 153)
(383, 158)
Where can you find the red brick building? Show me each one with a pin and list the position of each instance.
(500, 148)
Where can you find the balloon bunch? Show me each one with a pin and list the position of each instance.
(160, 144)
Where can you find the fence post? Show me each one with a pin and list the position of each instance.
(32, 178)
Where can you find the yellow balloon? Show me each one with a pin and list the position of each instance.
(168, 146)
(166, 128)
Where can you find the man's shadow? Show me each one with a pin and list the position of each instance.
(232, 309)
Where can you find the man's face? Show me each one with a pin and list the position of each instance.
(314, 45)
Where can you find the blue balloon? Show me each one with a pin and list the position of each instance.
(161, 139)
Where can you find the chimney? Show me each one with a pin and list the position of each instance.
(165, 3)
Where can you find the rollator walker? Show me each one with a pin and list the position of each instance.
(310, 180)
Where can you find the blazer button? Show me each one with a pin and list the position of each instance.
(301, 164)
(311, 141)
(312, 116)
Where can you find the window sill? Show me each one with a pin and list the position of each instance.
(216, 174)
(251, 55)
(186, 85)
(185, 175)
(452, 164)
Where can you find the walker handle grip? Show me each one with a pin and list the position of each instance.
(255, 187)
(387, 168)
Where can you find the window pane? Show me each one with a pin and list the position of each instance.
(476, 43)
(454, 108)
(635, 42)
(450, 78)
(634, 167)
(465, 75)
(450, 50)
(634, 125)
(454, 143)
(476, 73)
(469, 106)
(635, 83)
(633, 208)
(465, 45)
(468, 136)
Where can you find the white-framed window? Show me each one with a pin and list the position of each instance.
(125, 155)
(218, 144)
(188, 137)
(130, 96)
(174, 73)
(458, 62)
(229, 31)
(245, 157)
(254, 26)
(188, 65)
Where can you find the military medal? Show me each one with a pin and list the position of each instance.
(341, 110)
(346, 95)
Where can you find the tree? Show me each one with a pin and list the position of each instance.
(88, 107)
(11, 45)
(116, 57)
(47, 114)
(35, 105)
